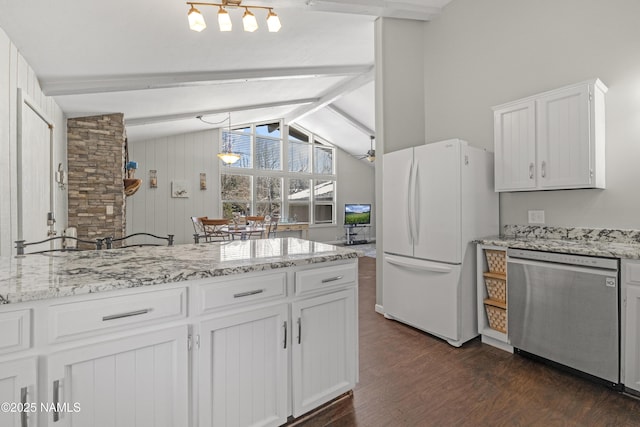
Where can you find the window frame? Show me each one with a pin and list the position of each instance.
(283, 173)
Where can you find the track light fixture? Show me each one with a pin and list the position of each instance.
(249, 21)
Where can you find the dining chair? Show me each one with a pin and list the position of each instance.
(255, 227)
(126, 240)
(68, 244)
(215, 230)
(272, 226)
(198, 228)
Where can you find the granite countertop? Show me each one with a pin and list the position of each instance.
(59, 274)
(579, 241)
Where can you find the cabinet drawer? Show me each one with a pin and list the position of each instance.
(324, 277)
(15, 331)
(237, 291)
(102, 314)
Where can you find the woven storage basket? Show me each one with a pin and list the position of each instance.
(497, 318)
(496, 260)
(496, 288)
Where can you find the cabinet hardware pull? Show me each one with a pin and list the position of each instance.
(332, 279)
(299, 331)
(531, 170)
(23, 401)
(544, 169)
(248, 293)
(129, 314)
(284, 325)
(56, 400)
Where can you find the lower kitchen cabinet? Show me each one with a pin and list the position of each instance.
(631, 324)
(18, 387)
(139, 380)
(325, 350)
(243, 362)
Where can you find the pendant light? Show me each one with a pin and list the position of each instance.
(273, 22)
(249, 21)
(196, 20)
(224, 21)
(227, 155)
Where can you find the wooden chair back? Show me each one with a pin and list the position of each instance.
(215, 229)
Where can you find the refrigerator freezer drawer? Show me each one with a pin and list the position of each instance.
(423, 294)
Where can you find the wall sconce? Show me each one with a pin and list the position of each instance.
(203, 181)
(153, 178)
(61, 178)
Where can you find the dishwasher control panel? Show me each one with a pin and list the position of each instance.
(571, 259)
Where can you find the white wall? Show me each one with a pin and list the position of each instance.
(16, 73)
(185, 157)
(180, 157)
(483, 53)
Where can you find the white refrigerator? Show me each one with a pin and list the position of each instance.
(437, 198)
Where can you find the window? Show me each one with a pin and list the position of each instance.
(290, 173)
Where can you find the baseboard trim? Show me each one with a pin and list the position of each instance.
(379, 309)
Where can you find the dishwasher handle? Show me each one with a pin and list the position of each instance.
(563, 267)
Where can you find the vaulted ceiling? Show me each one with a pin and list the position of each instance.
(140, 58)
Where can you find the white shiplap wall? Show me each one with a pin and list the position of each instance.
(185, 157)
(179, 157)
(16, 73)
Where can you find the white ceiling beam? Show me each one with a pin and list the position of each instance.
(103, 84)
(422, 10)
(330, 96)
(351, 120)
(139, 121)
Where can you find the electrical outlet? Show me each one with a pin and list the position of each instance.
(536, 217)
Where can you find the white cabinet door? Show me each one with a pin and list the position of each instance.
(396, 186)
(136, 381)
(243, 363)
(515, 147)
(324, 350)
(632, 339)
(437, 198)
(18, 388)
(565, 151)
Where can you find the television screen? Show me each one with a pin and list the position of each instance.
(357, 214)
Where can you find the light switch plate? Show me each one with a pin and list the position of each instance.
(109, 209)
(536, 217)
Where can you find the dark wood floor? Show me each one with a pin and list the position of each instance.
(408, 378)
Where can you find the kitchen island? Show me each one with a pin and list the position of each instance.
(231, 333)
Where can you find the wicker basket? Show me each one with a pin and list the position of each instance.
(496, 260)
(497, 317)
(496, 288)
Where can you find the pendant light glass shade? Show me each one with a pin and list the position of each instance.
(273, 22)
(249, 21)
(196, 20)
(229, 157)
(224, 21)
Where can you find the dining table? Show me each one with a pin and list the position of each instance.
(244, 232)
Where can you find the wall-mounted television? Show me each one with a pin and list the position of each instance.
(356, 214)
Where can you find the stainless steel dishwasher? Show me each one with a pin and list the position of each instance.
(565, 308)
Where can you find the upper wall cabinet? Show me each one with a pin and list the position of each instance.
(551, 141)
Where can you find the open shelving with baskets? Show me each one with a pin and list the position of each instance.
(492, 296)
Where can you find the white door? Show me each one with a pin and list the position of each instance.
(437, 200)
(423, 294)
(138, 381)
(396, 210)
(243, 363)
(34, 172)
(564, 149)
(325, 349)
(515, 147)
(18, 387)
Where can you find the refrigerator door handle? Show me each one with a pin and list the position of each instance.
(416, 204)
(418, 264)
(409, 204)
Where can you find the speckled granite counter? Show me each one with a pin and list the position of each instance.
(580, 241)
(36, 277)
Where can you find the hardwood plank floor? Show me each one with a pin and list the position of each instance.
(408, 378)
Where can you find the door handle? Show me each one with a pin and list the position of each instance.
(299, 331)
(543, 169)
(56, 400)
(23, 401)
(284, 325)
(531, 170)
